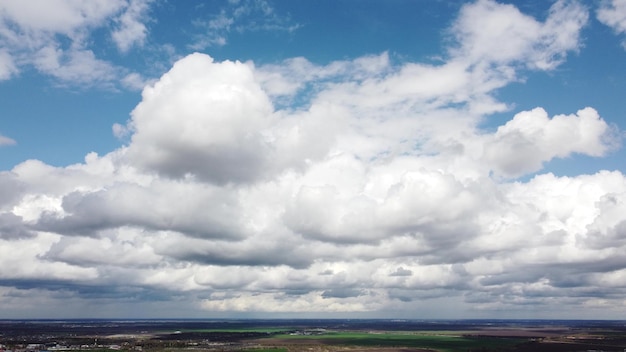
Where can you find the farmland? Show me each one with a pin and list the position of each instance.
(448, 341)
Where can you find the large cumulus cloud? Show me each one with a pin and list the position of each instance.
(357, 186)
(212, 120)
(204, 119)
(531, 138)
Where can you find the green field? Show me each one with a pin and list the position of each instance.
(433, 340)
(448, 341)
(277, 349)
(236, 330)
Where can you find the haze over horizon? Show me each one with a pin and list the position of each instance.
(316, 159)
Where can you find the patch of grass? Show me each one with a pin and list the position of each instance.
(276, 349)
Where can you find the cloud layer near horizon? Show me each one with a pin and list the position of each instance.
(379, 193)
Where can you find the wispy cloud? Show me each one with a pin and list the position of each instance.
(131, 28)
(6, 141)
(53, 37)
(240, 16)
(613, 14)
(7, 65)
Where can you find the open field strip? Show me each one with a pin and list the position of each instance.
(235, 330)
(442, 341)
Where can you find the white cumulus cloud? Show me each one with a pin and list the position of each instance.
(523, 144)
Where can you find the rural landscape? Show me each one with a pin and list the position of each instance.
(312, 176)
(312, 335)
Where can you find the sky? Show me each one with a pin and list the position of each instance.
(317, 159)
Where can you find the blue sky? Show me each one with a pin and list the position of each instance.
(426, 159)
